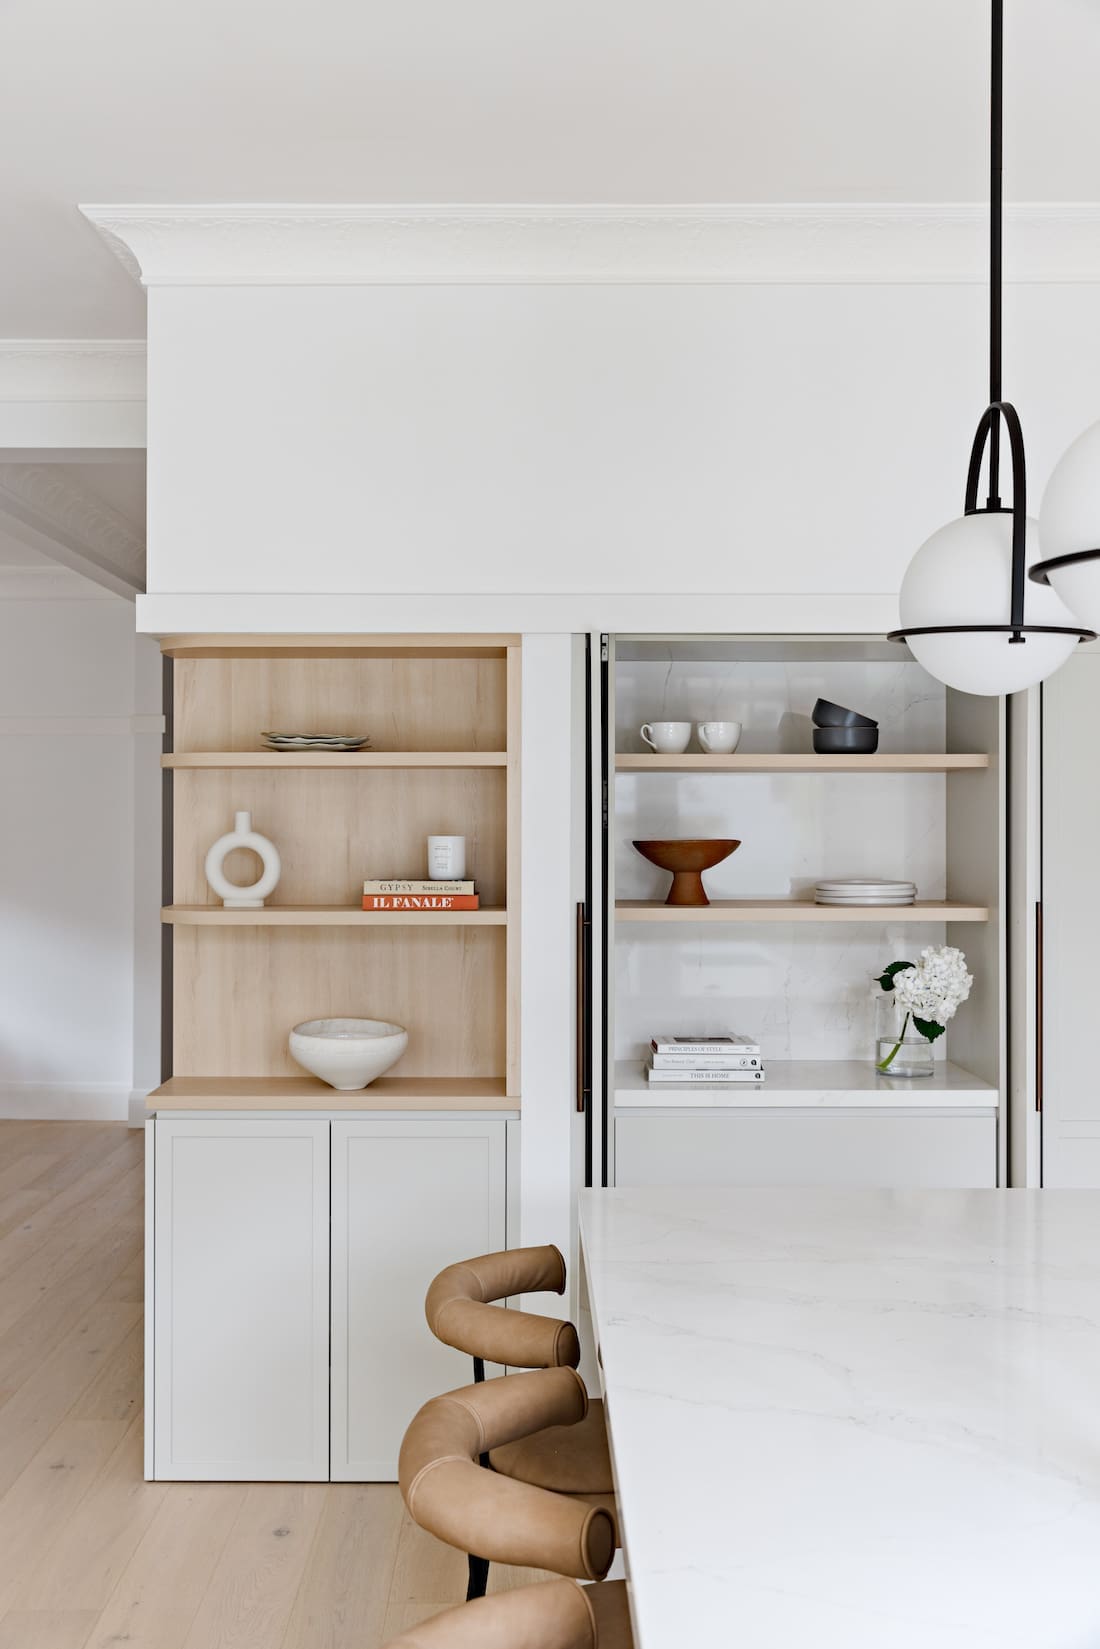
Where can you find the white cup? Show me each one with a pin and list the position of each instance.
(718, 738)
(446, 858)
(668, 738)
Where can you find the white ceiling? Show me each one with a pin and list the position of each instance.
(502, 100)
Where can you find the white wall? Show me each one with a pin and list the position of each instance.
(577, 439)
(79, 855)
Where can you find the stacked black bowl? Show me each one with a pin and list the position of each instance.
(841, 732)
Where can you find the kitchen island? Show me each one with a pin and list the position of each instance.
(867, 1419)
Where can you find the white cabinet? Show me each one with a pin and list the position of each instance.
(244, 1305)
(241, 1299)
(408, 1198)
(817, 1148)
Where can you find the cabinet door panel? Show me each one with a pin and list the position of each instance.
(408, 1199)
(784, 1149)
(241, 1300)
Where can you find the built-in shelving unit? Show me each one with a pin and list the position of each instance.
(762, 957)
(442, 713)
(797, 910)
(779, 762)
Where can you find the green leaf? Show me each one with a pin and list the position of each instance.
(928, 1028)
(886, 979)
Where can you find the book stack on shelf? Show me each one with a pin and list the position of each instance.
(419, 894)
(714, 1061)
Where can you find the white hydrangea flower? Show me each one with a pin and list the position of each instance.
(936, 986)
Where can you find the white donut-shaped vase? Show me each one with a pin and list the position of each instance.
(230, 893)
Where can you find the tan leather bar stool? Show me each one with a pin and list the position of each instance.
(506, 1521)
(570, 1460)
(556, 1614)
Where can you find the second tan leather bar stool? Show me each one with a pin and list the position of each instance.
(571, 1460)
(556, 1614)
(447, 1492)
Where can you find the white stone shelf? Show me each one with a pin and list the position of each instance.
(812, 1085)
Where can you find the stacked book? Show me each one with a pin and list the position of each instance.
(690, 1060)
(419, 894)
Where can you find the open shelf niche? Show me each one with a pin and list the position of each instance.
(762, 958)
(442, 715)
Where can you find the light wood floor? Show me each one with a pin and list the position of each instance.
(92, 1557)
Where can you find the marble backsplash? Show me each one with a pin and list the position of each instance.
(773, 701)
(803, 990)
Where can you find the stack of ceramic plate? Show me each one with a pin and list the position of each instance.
(859, 890)
(289, 742)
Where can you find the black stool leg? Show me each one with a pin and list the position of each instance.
(479, 1577)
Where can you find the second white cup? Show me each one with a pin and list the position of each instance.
(718, 738)
(668, 738)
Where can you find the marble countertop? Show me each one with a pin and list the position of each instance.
(853, 1419)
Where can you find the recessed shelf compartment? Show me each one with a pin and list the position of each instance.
(796, 910)
(811, 1084)
(334, 759)
(303, 1093)
(767, 762)
(316, 916)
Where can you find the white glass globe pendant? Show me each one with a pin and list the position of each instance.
(971, 573)
(967, 611)
(1069, 527)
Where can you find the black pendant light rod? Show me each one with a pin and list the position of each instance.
(996, 245)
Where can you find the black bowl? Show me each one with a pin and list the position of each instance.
(827, 714)
(845, 741)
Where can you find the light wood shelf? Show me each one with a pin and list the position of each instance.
(329, 759)
(796, 910)
(305, 1093)
(936, 762)
(318, 916)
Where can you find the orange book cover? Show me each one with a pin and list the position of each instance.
(421, 901)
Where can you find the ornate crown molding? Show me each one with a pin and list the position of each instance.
(48, 509)
(470, 244)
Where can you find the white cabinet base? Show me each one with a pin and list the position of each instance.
(408, 1198)
(788, 1148)
(241, 1300)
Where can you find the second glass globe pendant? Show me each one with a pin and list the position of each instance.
(971, 575)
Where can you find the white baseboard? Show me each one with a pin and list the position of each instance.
(67, 1101)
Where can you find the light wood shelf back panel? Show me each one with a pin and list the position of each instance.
(238, 993)
(364, 760)
(774, 763)
(327, 916)
(307, 1093)
(796, 910)
(438, 645)
(334, 829)
(403, 703)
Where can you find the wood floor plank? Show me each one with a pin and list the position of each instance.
(116, 1392)
(250, 1598)
(42, 1402)
(426, 1570)
(87, 1555)
(159, 1592)
(344, 1593)
(53, 1484)
(30, 1339)
(59, 1629)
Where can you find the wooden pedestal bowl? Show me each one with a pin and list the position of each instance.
(687, 858)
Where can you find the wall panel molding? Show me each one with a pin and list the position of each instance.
(830, 243)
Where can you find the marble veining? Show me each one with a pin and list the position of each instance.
(853, 1420)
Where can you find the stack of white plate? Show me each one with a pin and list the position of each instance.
(288, 742)
(872, 890)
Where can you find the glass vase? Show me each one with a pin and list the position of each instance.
(900, 1049)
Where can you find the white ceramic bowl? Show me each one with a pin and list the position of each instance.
(347, 1053)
